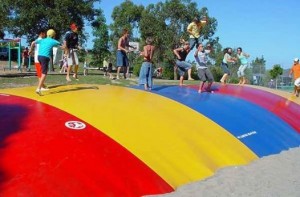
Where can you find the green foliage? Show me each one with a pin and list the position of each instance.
(4, 10)
(126, 15)
(168, 70)
(101, 41)
(27, 17)
(217, 72)
(276, 71)
(167, 23)
(259, 65)
(137, 66)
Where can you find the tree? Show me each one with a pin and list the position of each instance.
(167, 23)
(101, 41)
(4, 10)
(275, 72)
(125, 16)
(258, 69)
(26, 17)
(259, 65)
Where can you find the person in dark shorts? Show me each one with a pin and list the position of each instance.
(204, 73)
(45, 52)
(182, 65)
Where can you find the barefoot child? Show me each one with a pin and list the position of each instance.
(204, 73)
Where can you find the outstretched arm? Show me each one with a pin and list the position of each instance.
(176, 52)
(31, 47)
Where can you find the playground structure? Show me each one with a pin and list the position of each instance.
(11, 44)
(134, 142)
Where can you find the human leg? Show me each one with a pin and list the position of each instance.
(185, 66)
(75, 63)
(193, 42)
(202, 78)
(210, 79)
(142, 76)
(201, 85)
(118, 72)
(120, 62)
(44, 61)
(68, 73)
(181, 68)
(226, 71)
(125, 68)
(243, 68)
(38, 69)
(239, 75)
(181, 81)
(110, 72)
(224, 78)
(190, 74)
(75, 72)
(150, 76)
(297, 86)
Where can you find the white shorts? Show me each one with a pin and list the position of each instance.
(297, 82)
(73, 57)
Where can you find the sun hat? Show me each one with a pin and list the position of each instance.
(51, 33)
(296, 59)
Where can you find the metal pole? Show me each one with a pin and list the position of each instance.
(9, 56)
(19, 56)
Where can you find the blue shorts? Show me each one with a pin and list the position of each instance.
(194, 42)
(44, 61)
(122, 59)
(183, 67)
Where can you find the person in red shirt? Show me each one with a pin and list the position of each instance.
(295, 70)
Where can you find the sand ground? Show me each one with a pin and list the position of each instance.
(271, 176)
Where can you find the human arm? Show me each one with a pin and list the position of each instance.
(197, 57)
(204, 20)
(32, 46)
(176, 52)
(128, 45)
(148, 52)
(229, 58)
(246, 55)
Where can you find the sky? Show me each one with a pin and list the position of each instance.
(268, 28)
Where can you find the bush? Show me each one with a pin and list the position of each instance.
(217, 72)
(137, 66)
(168, 71)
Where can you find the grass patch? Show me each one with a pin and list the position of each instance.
(18, 79)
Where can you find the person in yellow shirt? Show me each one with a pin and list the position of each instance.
(295, 70)
(194, 29)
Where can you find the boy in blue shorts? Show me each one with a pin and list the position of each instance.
(45, 52)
